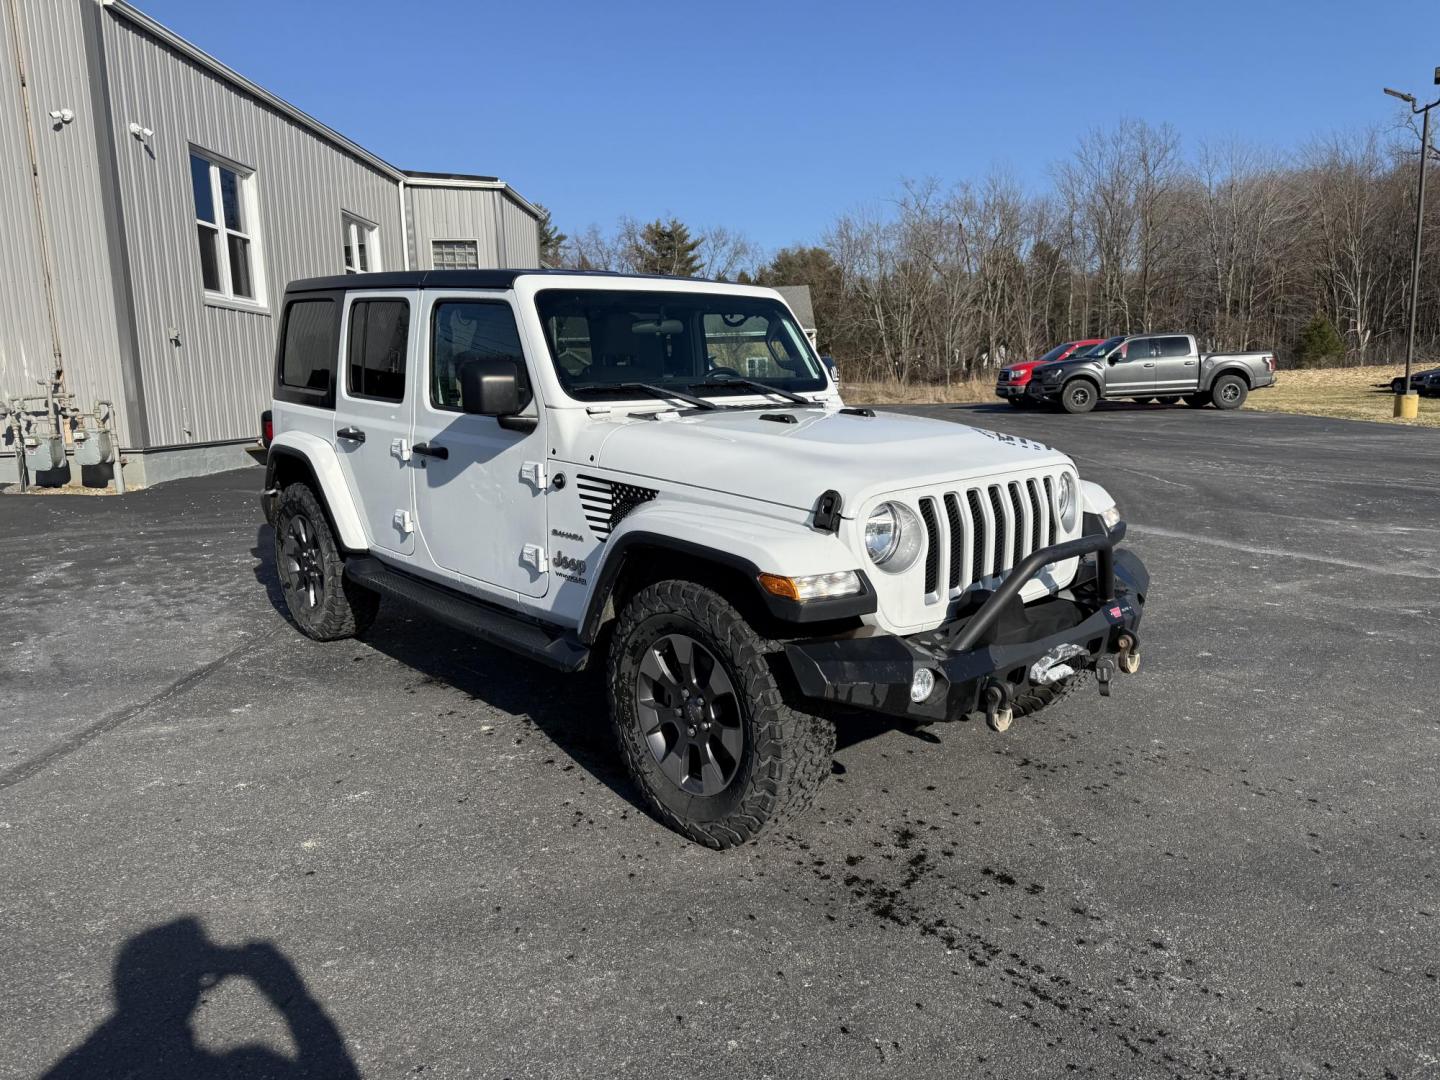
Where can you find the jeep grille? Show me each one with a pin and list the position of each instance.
(977, 533)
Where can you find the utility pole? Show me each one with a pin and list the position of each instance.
(1407, 402)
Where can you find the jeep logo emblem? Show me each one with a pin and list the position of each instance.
(565, 562)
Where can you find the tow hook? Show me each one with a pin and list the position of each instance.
(998, 713)
(1127, 657)
(1104, 672)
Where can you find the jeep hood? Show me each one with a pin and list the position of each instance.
(744, 454)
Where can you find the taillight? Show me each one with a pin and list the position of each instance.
(267, 428)
(1271, 361)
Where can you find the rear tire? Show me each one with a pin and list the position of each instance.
(1079, 396)
(1397, 386)
(1229, 392)
(323, 603)
(701, 722)
(1197, 401)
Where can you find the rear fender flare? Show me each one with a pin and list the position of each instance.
(317, 457)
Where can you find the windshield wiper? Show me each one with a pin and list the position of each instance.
(751, 384)
(644, 387)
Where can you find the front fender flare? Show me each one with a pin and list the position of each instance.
(746, 542)
(324, 468)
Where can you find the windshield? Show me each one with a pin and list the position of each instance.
(1054, 354)
(1097, 351)
(676, 341)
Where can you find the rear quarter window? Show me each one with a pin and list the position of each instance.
(308, 349)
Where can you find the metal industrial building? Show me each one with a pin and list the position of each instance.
(155, 204)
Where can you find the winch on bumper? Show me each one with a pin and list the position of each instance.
(978, 661)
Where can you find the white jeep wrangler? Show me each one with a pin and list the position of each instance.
(661, 471)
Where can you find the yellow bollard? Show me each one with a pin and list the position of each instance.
(1407, 406)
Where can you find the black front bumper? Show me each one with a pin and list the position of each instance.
(993, 643)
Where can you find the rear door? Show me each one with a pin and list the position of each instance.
(479, 485)
(373, 413)
(1131, 369)
(1177, 366)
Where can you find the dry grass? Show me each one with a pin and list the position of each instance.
(1359, 393)
(1348, 393)
(898, 393)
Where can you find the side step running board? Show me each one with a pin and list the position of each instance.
(558, 649)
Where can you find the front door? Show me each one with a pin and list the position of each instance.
(479, 485)
(373, 413)
(1131, 370)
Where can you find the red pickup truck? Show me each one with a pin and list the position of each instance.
(1012, 380)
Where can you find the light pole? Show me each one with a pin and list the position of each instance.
(1407, 402)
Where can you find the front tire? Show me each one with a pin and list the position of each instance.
(1078, 396)
(701, 721)
(1229, 392)
(322, 602)
(1197, 401)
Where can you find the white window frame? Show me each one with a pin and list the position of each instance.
(352, 225)
(249, 231)
(471, 240)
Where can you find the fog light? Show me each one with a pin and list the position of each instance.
(922, 685)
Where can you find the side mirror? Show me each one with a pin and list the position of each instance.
(492, 386)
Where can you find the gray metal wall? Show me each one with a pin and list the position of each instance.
(505, 234)
(522, 235)
(214, 382)
(52, 43)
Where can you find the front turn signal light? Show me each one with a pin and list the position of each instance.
(813, 586)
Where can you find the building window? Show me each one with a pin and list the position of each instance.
(225, 220)
(455, 254)
(362, 245)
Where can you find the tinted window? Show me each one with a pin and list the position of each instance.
(379, 336)
(1140, 349)
(1174, 346)
(467, 330)
(308, 346)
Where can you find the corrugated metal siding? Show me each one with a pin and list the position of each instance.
(522, 236)
(440, 213)
(214, 382)
(24, 334)
(69, 167)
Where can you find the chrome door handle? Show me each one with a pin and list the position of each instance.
(1147, 365)
(1189, 363)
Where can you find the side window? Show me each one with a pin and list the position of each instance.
(308, 347)
(1139, 349)
(466, 330)
(379, 338)
(1174, 346)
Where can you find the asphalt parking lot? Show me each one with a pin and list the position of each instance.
(223, 846)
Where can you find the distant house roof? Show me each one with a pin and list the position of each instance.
(798, 297)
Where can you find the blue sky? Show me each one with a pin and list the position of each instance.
(772, 118)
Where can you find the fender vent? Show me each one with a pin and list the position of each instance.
(606, 503)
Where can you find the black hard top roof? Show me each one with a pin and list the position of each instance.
(451, 279)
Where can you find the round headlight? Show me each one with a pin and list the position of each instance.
(892, 537)
(1069, 506)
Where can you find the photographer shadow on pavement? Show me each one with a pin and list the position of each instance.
(161, 978)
